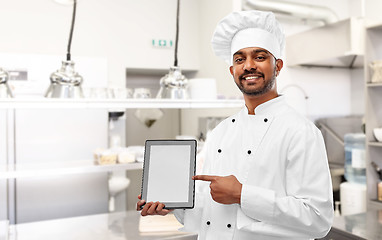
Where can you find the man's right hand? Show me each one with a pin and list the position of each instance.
(151, 208)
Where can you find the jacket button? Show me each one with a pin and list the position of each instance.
(233, 120)
(219, 150)
(265, 119)
(208, 222)
(228, 225)
(249, 151)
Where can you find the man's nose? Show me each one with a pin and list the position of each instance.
(249, 64)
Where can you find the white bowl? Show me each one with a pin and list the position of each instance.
(378, 134)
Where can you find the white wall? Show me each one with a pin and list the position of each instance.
(328, 90)
(373, 9)
(357, 92)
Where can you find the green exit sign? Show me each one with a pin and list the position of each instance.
(162, 43)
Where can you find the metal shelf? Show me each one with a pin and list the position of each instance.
(375, 144)
(60, 168)
(374, 84)
(44, 103)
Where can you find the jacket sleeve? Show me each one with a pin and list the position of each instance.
(179, 215)
(306, 210)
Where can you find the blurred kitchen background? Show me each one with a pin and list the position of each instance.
(122, 49)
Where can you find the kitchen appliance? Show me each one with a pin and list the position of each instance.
(174, 84)
(5, 91)
(65, 82)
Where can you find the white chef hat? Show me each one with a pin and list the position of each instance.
(245, 29)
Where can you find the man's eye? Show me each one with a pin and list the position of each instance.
(260, 58)
(238, 60)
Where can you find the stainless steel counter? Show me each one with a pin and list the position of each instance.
(113, 226)
(364, 225)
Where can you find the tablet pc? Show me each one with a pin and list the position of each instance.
(167, 173)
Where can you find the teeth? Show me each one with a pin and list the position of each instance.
(250, 78)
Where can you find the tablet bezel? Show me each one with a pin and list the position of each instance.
(146, 166)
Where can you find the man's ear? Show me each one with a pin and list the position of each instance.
(231, 70)
(279, 65)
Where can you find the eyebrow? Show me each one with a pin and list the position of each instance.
(254, 51)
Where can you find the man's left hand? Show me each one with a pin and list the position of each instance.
(225, 190)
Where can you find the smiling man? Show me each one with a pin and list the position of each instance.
(255, 70)
(265, 174)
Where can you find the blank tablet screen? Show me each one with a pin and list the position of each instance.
(168, 168)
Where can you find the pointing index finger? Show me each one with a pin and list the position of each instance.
(208, 178)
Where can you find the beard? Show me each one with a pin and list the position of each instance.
(268, 84)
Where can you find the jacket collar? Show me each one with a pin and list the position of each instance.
(271, 107)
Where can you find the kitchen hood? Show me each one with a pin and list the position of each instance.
(339, 44)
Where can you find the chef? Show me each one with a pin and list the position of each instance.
(265, 174)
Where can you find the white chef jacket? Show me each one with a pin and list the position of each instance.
(279, 156)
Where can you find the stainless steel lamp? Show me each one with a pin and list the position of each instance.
(66, 82)
(5, 91)
(174, 84)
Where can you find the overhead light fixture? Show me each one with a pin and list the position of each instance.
(174, 84)
(66, 82)
(5, 91)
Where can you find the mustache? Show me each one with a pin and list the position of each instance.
(254, 72)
